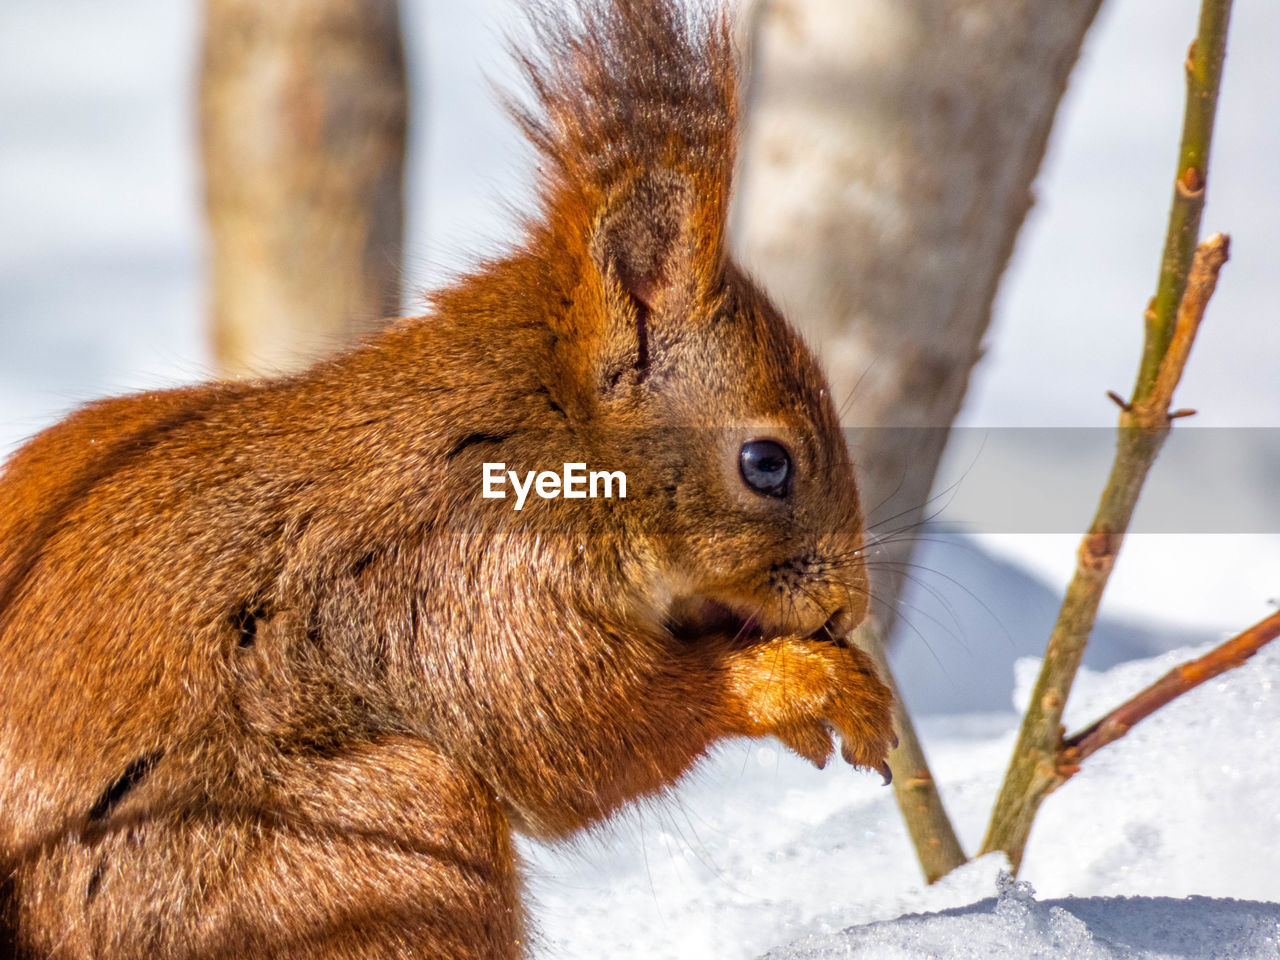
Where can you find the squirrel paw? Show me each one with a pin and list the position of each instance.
(804, 692)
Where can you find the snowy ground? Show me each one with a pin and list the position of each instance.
(761, 850)
(1017, 927)
(100, 291)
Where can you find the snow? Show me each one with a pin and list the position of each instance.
(1015, 926)
(1166, 844)
(1150, 851)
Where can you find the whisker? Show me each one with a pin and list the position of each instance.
(958, 584)
(844, 407)
(904, 619)
(949, 492)
(954, 631)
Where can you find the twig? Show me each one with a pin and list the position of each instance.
(1204, 75)
(1033, 771)
(1210, 256)
(1234, 652)
(1171, 323)
(937, 848)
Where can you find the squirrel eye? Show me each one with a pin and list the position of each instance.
(766, 467)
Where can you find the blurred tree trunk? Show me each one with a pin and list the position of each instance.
(887, 168)
(303, 123)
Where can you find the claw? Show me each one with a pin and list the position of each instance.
(885, 772)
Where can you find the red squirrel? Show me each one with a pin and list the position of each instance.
(278, 679)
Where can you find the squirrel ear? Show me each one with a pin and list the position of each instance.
(643, 238)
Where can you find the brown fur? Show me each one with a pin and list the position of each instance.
(276, 681)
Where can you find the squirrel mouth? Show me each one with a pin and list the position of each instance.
(695, 618)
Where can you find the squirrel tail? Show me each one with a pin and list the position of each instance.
(634, 108)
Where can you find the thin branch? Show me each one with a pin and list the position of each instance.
(1188, 275)
(1234, 652)
(937, 848)
(1171, 323)
(1203, 278)
(1204, 76)
(1033, 771)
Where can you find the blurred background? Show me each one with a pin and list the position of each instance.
(110, 278)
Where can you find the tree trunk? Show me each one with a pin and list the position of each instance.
(887, 168)
(303, 124)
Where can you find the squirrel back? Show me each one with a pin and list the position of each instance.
(208, 593)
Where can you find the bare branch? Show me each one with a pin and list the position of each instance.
(1204, 76)
(1201, 282)
(1227, 656)
(937, 848)
(1171, 324)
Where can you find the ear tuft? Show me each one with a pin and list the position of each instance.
(642, 238)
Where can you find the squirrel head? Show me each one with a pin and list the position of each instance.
(666, 360)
